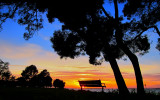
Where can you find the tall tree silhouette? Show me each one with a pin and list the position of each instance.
(126, 50)
(124, 46)
(148, 12)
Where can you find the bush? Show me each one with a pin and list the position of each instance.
(58, 83)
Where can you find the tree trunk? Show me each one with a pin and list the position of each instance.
(123, 90)
(133, 58)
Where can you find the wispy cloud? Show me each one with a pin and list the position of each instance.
(11, 51)
(33, 54)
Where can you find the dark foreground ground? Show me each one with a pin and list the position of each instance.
(65, 94)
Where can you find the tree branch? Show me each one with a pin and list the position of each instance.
(116, 11)
(155, 27)
(10, 16)
(106, 13)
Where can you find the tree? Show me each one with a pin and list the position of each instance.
(6, 78)
(43, 79)
(29, 72)
(119, 28)
(4, 70)
(27, 76)
(120, 31)
(133, 58)
(58, 83)
(21, 82)
(148, 12)
(48, 81)
(94, 45)
(31, 78)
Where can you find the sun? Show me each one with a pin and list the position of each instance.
(76, 83)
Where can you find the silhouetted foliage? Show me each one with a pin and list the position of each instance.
(4, 70)
(6, 78)
(21, 82)
(144, 14)
(41, 80)
(30, 12)
(45, 78)
(58, 83)
(29, 72)
(29, 78)
(94, 40)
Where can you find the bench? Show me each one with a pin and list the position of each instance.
(92, 83)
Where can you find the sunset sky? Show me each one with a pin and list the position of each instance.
(38, 51)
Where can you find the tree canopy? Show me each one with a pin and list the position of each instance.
(57, 83)
(43, 79)
(29, 72)
(144, 15)
(30, 12)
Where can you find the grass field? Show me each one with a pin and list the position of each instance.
(65, 94)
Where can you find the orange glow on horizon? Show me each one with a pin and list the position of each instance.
(71, 77)
(71, 80)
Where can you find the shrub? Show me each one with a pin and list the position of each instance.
(58, 83)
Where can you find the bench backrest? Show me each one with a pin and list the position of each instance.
(91, 83)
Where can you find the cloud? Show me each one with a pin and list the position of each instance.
(11, 51)
(77, 75)
(28, 54)
(81, 67)
(152, 77)
(17, 66)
